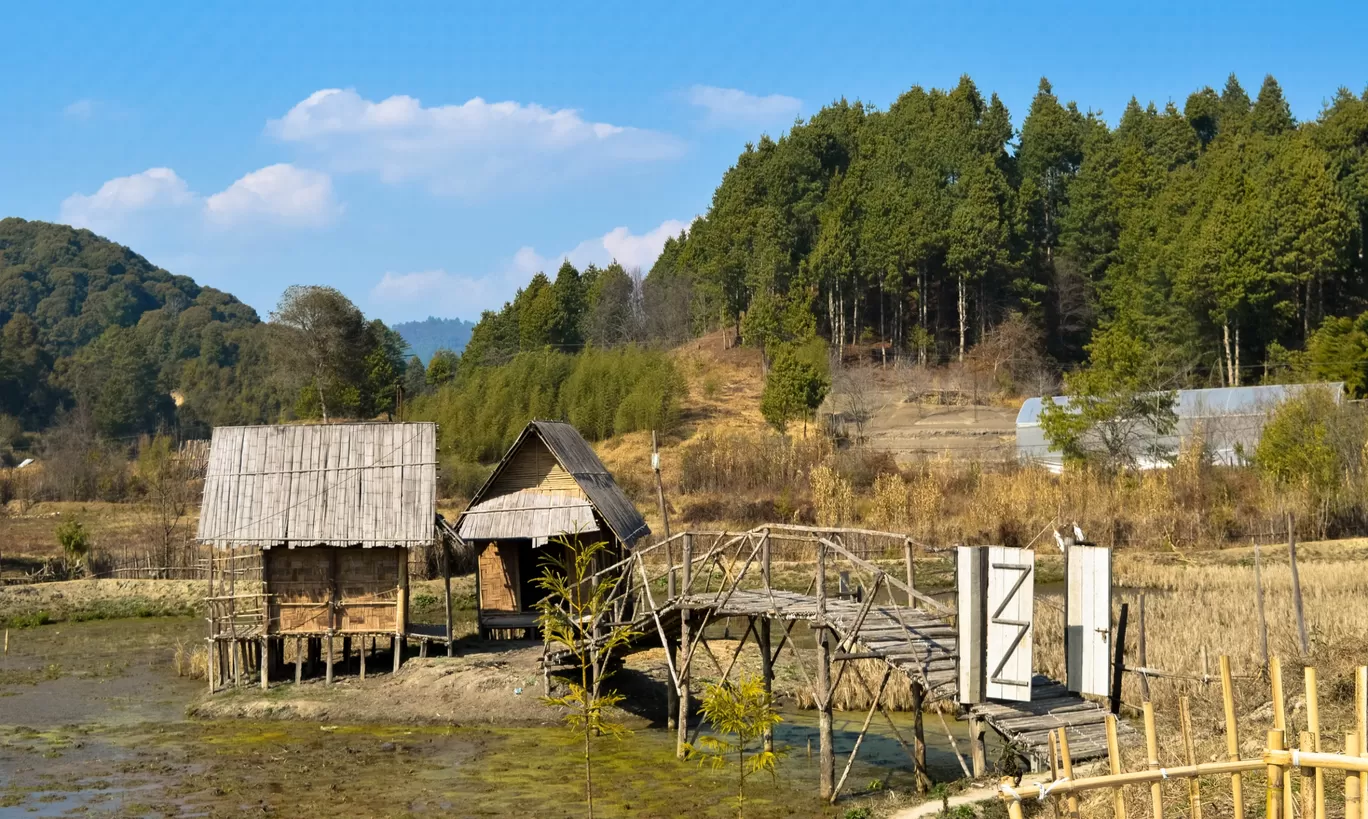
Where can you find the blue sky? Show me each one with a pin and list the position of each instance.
(428, 160)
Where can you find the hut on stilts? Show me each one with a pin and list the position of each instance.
(548, 494)
(311, 528)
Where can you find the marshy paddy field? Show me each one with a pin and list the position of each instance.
(102, 713)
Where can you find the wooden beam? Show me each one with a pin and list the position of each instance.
(686, 579)
(826, 763)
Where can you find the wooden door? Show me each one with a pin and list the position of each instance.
(971, 586)
(1089, 620)
(1011, 593)
(499, 577)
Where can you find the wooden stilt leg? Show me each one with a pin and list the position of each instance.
(398, 643)
(826, 762)
(671, 693)
(361, 658)
(978, 749)
(685, 661)
(299, 660)
(329, 654)
(919, 735)
(265, 663)
(762, 639)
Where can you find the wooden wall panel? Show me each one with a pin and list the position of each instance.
(499, 578)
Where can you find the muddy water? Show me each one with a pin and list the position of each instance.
(92, 723)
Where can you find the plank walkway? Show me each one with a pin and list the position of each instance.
(924, 647)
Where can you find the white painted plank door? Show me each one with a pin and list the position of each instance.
(1089, 621)
(1011, 594)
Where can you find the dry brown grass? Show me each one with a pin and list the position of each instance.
(191, 660)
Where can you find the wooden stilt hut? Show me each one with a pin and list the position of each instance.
(311, 527)
(549, 490)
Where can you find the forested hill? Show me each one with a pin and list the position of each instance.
(62, 292)
(432, 334)
(1221, 232)
(96, 337)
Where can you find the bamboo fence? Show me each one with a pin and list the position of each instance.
(1279, 763)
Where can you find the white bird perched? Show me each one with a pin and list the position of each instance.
(1078, 534)
(1060, 540)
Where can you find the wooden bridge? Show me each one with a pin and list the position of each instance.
(673, 590)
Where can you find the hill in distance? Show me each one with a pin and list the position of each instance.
(428, 336)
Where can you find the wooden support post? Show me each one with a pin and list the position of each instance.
(1273, 793)
(1119, 665)
(911, 572)
(978, 751)
(1313, 725)
(1114, 762)
(398, 642)
(361, 659)
(1280, 724)
(299, 659)
(1152, 754)
(1066, 766)
(686, 578)
(1144, 657)
(1190, 753)
(1296, 586)
(446, 588)
(1232, 735)
(1353, 794)
(329, 678)
(671, 692)
(918, 706)
(265, 662)
(826, 762)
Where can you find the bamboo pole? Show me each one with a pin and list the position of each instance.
(1013, 805)
(1280, 724)
(1296, 587)
(1313, 725)
(299, 659)
(911, 572)
(1259, 599)
(1114, 761)
(686, 578)
(1232, 736)
(1361, 715)
(1190, 751)
(1066, 765)
(1152, 751)
(1273, 792)
(826, 765)
(859, 739)
(1308, 778)
(1353, 795)
(1131, 778)
(1144, 659)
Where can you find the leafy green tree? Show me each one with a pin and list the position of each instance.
(321, 343)
(442, 368)
(1114, 413)
(1338, 351)
(1300, 447)
(797, 384)
(574, 617)
(743, 710)
(384, 368)
(568, 293)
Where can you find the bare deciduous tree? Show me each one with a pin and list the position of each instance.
(320, 333)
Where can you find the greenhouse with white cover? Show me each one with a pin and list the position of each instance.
(1229, 419)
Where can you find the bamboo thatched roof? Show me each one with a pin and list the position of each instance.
(368, 484)
(569, 493)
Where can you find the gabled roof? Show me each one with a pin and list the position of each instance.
(545, 515)
(368, 484)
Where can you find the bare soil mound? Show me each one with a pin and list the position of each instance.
(500, 687)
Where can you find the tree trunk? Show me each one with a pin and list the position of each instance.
(962, 311)
(322, 403)
(1230, 358)
(1236, 379)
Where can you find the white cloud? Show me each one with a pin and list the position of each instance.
(278, 193)
(80, 109)
(733, 108)
(403, 296)
(463, 149)
(119, 198)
